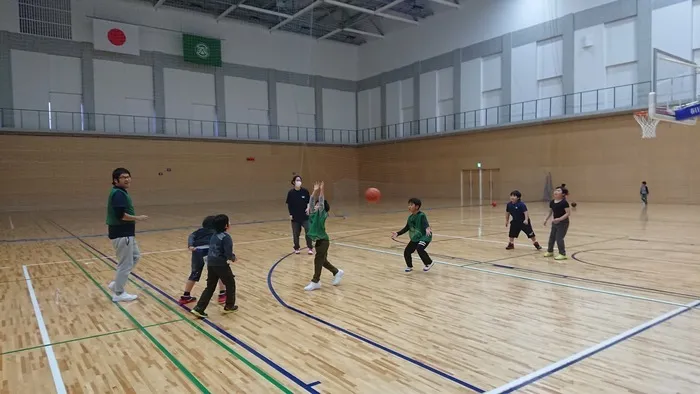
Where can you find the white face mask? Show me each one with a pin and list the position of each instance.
(297, 183)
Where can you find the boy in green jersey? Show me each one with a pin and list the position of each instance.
(318, 213)
(419, 230)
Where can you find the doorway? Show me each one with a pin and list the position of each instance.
(480, 190)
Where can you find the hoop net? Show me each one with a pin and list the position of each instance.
(647, 124)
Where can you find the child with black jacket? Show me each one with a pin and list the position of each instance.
(198, 244)
(218, 268)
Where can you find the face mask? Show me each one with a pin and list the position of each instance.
(297, 183)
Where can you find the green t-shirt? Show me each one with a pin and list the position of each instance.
(317, 220)
(118, 201)
(416, 225)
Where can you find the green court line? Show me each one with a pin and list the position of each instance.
(86, 337)
(199, 328)
(160, 347)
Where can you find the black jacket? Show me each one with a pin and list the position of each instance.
(297, 202)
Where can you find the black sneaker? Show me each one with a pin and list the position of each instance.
(510, 246)
(537, 246)
(231, 309)
(199, 314)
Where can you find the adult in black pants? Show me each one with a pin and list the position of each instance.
(298, 204)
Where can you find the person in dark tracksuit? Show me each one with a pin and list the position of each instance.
(560, 210)
(298, 204)
(420, 233)
(198, 244)
(218, 268)
(644, 192)
(318, 213)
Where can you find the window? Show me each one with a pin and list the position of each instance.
(47, 18)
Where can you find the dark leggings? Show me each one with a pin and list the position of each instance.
(420, 247)
(214, 274)
(321, 260)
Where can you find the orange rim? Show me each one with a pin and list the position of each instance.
(642, 113)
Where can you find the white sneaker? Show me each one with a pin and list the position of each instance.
(338, 277)
(312, 286)
(428, 267)
(124, 297)
(311, 251)
(111, 285)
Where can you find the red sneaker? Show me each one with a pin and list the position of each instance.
(222, 298)
(186, 300)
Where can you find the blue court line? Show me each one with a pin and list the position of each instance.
(565, 363)
(223, 332)
(315, 383)
(361, 338)
(182, 228)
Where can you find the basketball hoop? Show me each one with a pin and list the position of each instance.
(648, 124)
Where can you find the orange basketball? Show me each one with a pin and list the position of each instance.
(373, 194)
(493, 203)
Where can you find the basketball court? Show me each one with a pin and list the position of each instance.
(620, 315)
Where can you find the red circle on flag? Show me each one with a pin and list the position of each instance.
(116, 37)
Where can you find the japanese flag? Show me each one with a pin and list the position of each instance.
(115, 37)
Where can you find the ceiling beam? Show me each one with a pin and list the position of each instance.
(334, 32)
(228, 11)
(386, 7)
(365, 33)
(158, 4)
(264, 11)
(298, 13)
(371, 12)
(448, 3)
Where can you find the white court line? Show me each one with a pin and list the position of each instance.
(53, 364)
(184, 249)
(531, 378)
(12, 225)
(522, 277)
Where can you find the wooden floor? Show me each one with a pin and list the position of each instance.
(619, 316)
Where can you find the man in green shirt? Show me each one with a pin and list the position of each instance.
(419, 230)
(318, 213)
(121, 225)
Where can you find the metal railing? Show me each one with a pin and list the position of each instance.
(592, 101)
(605, 99)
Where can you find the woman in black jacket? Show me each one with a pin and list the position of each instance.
(297, 204)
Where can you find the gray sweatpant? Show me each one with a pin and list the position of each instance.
(557, 235)
(128, 255)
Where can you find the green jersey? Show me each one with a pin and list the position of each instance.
(415, 226)
(317, 219)
(119, 203)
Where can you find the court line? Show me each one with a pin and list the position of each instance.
(53, 363)
(470, 267)
(185, 249)
(87, 337)
(148, 335)
(250, 365)
(564, 363)
(361, 338)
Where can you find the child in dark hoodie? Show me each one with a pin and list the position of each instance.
(198, 244)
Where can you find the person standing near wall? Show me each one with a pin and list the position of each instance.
(297, 204)
(121, 224)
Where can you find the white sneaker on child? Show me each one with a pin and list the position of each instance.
(312, 286)
(338, 277)
(111, 285)
(124, 297)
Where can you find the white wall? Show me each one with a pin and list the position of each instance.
(369, 108)
(673, 32)
(475, 21)
(296, 111)
(247, 108)
(339, 110)
(46, 82)
(436, 99)
(242, 43)
(8, 16)
(123, 89)
(190, 96)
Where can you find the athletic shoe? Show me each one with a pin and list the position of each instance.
(537, 246)
(231, 309)
(428, 267)
(311, 251)
(548, 254)
(312, 286)
(124, 297)
(199, 314)
(560, 257)
(222, 298)
(510, 246)
(338, 277)
(408, 269)
(296, 251)
(186, 300)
